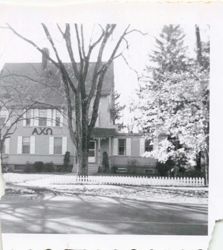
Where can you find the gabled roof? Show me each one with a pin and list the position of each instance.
(43, 85)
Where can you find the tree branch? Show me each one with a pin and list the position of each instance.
(32, 43)
(62, 68)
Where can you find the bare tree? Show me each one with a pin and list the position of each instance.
(10, 115)
(82, 121)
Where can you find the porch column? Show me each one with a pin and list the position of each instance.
(109, 151)
(99, 153)
(2, 192)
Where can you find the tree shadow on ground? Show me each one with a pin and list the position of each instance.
(102, 215)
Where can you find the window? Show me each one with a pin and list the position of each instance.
(28, 118)
(3, 117)
(148, 145)
(25, 145)
(43, 117)
(58, 145)
(58, 118)
(3, 147)
(121, 146)
(2, 120)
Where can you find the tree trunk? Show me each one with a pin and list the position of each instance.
(1, 155)
(206, 166)
(2, 183)
(81, 161)
(84, 165)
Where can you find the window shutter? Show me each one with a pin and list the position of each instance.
(19, 145)
(49, 118)
(36, 118)
(51, 145)
(24, 118)
(128, 146)
(141, 146)
(32, 144)
(54, 118)
(115, 146)
(64, 145)
(61, 117)
(31, 116)
(7, 142)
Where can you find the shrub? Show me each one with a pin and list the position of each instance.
(5, 168)
(29, 168)
(49, 167)
(59, 168)
(99, 169)
(38, 166)
(193, 173)
(132, 166)
(162, 169)
(69, 168)
(114, 169)
(66, 157)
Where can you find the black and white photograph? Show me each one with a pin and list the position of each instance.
(105, 128)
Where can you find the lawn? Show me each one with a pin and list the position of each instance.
(36, 185)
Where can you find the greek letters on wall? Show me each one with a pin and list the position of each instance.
(42, 131)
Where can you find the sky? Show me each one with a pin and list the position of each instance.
(13, 49)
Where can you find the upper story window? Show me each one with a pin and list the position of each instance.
(58, 119)
(26, 145)
(28, 118)
(148, 145)
(43, 117)
(2, 120)
(3, 117)
(122, 146)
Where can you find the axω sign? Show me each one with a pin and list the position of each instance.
(42, 131)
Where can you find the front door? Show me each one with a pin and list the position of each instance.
(92, 152)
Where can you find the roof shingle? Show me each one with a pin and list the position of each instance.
(45, 86)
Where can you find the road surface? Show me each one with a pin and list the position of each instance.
(100, 215)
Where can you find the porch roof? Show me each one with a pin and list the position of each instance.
(104, 132)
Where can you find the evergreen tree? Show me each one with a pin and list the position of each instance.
(170, 53)
(116, 111)
(169, 59)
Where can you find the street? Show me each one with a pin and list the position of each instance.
(82, 214)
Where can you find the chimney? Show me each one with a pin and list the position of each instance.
(45, 56)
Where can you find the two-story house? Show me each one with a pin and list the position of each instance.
(43, 135)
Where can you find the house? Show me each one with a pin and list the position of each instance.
(43, 135)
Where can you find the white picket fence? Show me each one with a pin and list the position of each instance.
(48, 179)
(131, 180)
(135, 180)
